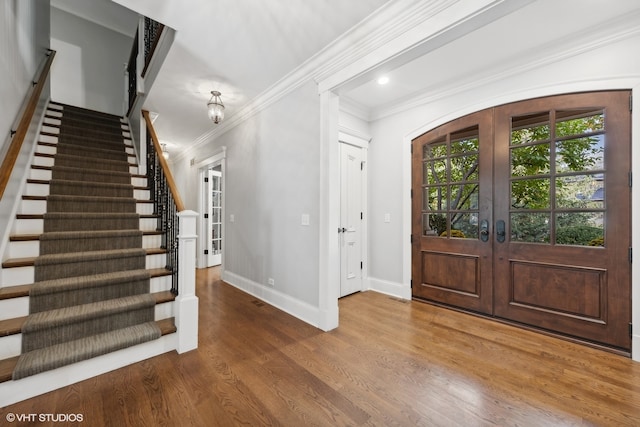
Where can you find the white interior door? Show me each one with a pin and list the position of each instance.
(214, 213)
(351, 219)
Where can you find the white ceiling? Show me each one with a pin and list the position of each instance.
(102, 12)
(243, 47)
(533, 33)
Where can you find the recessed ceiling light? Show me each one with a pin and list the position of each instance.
(383, 80)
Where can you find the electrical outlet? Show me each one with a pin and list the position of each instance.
(271, 282)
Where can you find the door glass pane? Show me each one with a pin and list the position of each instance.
(532, 227)
(578, 122)
(530, 128)
(464, 197)
(464, 225)
(580, 191)
(580, 228)
(450, 185)
(434, 150)
(435, 171)
(530, 160)
(464, 168)
(433, 224)
(531, 193)
(580, 154)
(435, 198)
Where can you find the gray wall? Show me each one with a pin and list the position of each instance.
(24, 38)
(89, 67)
(272, 178)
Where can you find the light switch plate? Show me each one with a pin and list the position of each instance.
(305, 219)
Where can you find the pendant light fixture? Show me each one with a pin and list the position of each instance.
(215, 107)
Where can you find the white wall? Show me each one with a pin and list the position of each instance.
(272, 178)
(24, 38)
(89, 67)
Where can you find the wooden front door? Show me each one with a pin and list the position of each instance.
(523, 212)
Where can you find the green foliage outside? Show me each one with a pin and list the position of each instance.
(577, 174)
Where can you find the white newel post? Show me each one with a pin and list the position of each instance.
(187, 301)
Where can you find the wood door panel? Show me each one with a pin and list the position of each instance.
(559, 289)
(452, 175)
(451, 272)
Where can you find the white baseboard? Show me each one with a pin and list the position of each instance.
(303, 311)
(394, 289)
(16, 391)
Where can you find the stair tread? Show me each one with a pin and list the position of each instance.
(19, 291)
(41, 216)
(30, 261)
(51, 156)
(7, 366)
(13, 326)
(33, 237)
(96, 183)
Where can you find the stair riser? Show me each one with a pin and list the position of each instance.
(39, 207)
(19, 307)
(30, 249)
(45, 175)
(10, 346)
(25, 275)
(36, 226)
(15, 307)
(164, 310)
(48, 149)
(55, 120)
(48, 162)
(47, 128)
(42, 190)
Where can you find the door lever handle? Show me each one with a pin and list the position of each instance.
(500, 231)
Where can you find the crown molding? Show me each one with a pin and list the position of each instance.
(356, 109)
(592, 38)
(390, 21)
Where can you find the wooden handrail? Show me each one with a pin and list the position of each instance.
(23, 126)
(163, 162)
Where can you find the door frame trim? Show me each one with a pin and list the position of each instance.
(625, 83)
(357, 139)
(202, 167)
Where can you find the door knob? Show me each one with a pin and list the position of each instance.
(484, 230)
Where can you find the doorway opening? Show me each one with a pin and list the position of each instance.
(522, 212)
(211, 192)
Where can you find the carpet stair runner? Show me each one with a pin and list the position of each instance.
(91, 292)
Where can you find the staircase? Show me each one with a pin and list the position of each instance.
(83, 273)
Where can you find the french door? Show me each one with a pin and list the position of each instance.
(522, 212)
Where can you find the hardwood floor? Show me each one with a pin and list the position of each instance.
(389, 363)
